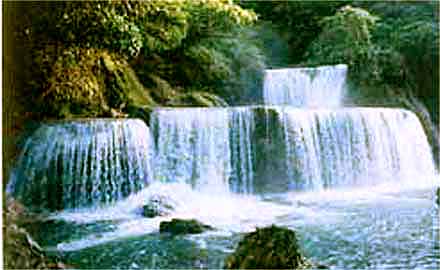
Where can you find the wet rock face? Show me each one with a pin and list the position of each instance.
(267, 248)
(437, 193)
(21, 251)
(183, 226)
(158, 205)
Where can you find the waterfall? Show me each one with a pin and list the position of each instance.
(249, 149)
(354, 146)
(68, 164)
(211, 149)
(274, 148)
(305, 87)
(241, 131)
(192, 146)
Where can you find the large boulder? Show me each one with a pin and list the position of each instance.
(183, 226)
(268, 248)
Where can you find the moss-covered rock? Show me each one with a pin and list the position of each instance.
(163, 92)
(141, 112)
(268, 248)
(197, 99)
(92, 82)
(183, 226)
(123, 85)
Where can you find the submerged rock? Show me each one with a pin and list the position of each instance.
(183, 226)
(158, 205)
(268, 248)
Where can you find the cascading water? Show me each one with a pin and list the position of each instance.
(241, 131)
(315, 148)
(70, 164)
(209, 149)
(305, 87)
(192, 147)
(212, 161)
(355, 146)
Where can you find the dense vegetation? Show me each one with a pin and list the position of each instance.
(84, 58)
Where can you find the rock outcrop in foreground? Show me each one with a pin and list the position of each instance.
(20, 250)
(268, 248)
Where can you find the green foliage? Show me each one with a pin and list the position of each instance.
(230, 67)
(156, 44)
(296, 23)
(412, 29)
(120, 26)
(345, 38)
(390, 59)
(137, 27)
(391, 51)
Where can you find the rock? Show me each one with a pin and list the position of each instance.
(198, 99)
(183, 226)
(268, 248)
(87, 82)
(21, 251)
(158, 205)
(142, 112)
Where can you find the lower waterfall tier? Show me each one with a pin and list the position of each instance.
(73, 164)
(272, 149)
(70, 164)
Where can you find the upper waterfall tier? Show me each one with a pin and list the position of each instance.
(76, 163)
(305, 87)
(261, 149)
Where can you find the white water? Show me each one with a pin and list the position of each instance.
(228, 213)
(233, 213)
(216, 149)
(192, 147)
(305, 87)
(354, 146)
(76, 163)
(207, 148)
